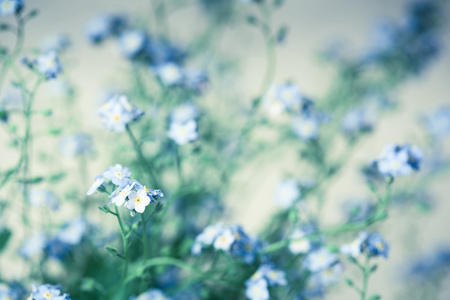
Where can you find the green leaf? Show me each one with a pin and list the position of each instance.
(104, 209)
(5, 235)
(34, 180)
(373, 268)
(4, 26)
(349, 282)
(57, 177)
(46, 112)
(281, 34)
(112, 251)
(375, 297)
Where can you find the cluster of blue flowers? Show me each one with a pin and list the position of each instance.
(398, 160)
(9, 7)
(48, 292)
(117, 113)
(231, 239)
(183, 124)
(373, 243)
(266, 276)
(130, 193)
(47, 64)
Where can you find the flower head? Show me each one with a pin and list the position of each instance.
(376, 245)
(257, 290)
(48, 292)
(117, 174)
(104, 26)
(138, 201)
(132, 42)
(355, 248)
(117, 112)
(224, 240)
(48, 64)
(399, 160)
(287, 192)
(9, 7)
(298, 245)
(319, 260)
(183, 133)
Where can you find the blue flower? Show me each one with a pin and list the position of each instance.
(183, 133)
(438, 122)
(355, 248)
(283, 97)
(319, 260)
(117, 174)
(132, 42)
(48, 64)
(399, 160)
(358, 120)
(257, 290)
(9, 7)
(73, 231)
(376, 245)
(306, 128)
(298, 245)
(117, 112)
(170, 74)
(98, 181)
(48, 292)
(34, 245)
(151, 294)
(104, 26)
(11, 291)
(287, 192)
(57, 43)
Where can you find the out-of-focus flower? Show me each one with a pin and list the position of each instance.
(9, 7)
(358, 120)
(283, 97)
(117, 112)
(11, 291)
(438, 122)
(40, 197)
(117, 174)
(399, 160)
(183, 133)
(104, 26)
(76, 144)
(73, 232)
(48, 292)
(34, 245)
(355, 248)
(56, 43)
(224, 240)
(329, 276)
(319, 260)
(184, 113)
(170, 74)
(376, 245)
(151, 294)
(298, 245)
(98, 181)
(257, 290)
(287, 192)
(266, 275)
(132, 42)
(48, 65)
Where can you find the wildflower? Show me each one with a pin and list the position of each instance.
(299, 246)
(376, 245)
(438, 122)
(132, 42)
(119, 196)
(117, 112)
(183, 133)
(358, 120)
(257, 290)
(98, 181)
(306, 128)
(151, 294)
(399, 160)
(195, 81)
(48, 292)
(117, 174)
(287, 192)
(57, 43)
(33, 246)
(73, 231)
(104, 26)
(224, 240)
(331, 275)
(319, 260)
(11, 291)
(355, 248)
(9, 7)
(170, 74)
(283, 97)
(76, 144)
(138, 201)
(48, 64)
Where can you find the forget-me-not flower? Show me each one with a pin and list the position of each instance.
(9, 7)
(287, 192)
(183, 133)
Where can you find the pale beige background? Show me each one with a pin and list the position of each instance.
(312, 24)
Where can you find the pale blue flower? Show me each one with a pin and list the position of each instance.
(73, 232)
(306, 128)
(399, 160)
(283, 98)
(270, 274)
(48, 64)
(117, 174)
(34, 245)
(331, 275)
(224, 240)
(287, 192)
(48, 292)
(355, 248)
(104, 26)
(376, 245)
(124, 190)
(358, 120)
(117, 112)
(98, 181)
(170, 74)
(56, 43)
(183, 133)
(138, 200)
(132, 42)
(257, 290)
(151, 294)
(297, 244)
(11, 292)
(319, 260)
(9, 7)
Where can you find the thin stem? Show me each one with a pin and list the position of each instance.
(144, 236)
(366, 273)
(148, 169)
(178, 164)
(125, 243)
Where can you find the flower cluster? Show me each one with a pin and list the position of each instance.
(47, 292)
(266, 276)
(117, 113)
(398, 160)
(284, 97)
(231, 239)
(438, 122)
(373, 243)
(358, 120)
(46, 64)
(104, 26)
(130, 193)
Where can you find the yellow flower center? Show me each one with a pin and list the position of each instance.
(116, 118)
(48, 295)
(138, 200)
(6, 5)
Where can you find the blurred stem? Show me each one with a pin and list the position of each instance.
(144, 236)
(379, 215)
(125, 244)
(160, 15)
(148, 169)
(366, 273)
(178, 164)
(16, 51)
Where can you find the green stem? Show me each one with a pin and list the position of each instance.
(366, 273)
(144, 236)
(125, 243)
(379, 215)
(148, 169)
(178, 164)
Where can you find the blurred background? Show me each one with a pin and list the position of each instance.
(313, 26)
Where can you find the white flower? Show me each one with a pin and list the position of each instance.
(138, 200)
(287, 192)
(170, 74)
(183, 133)
(354, 248)
(97, 183)
(119, 195)
(224, 240)
(299, 246)
(257, 290)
